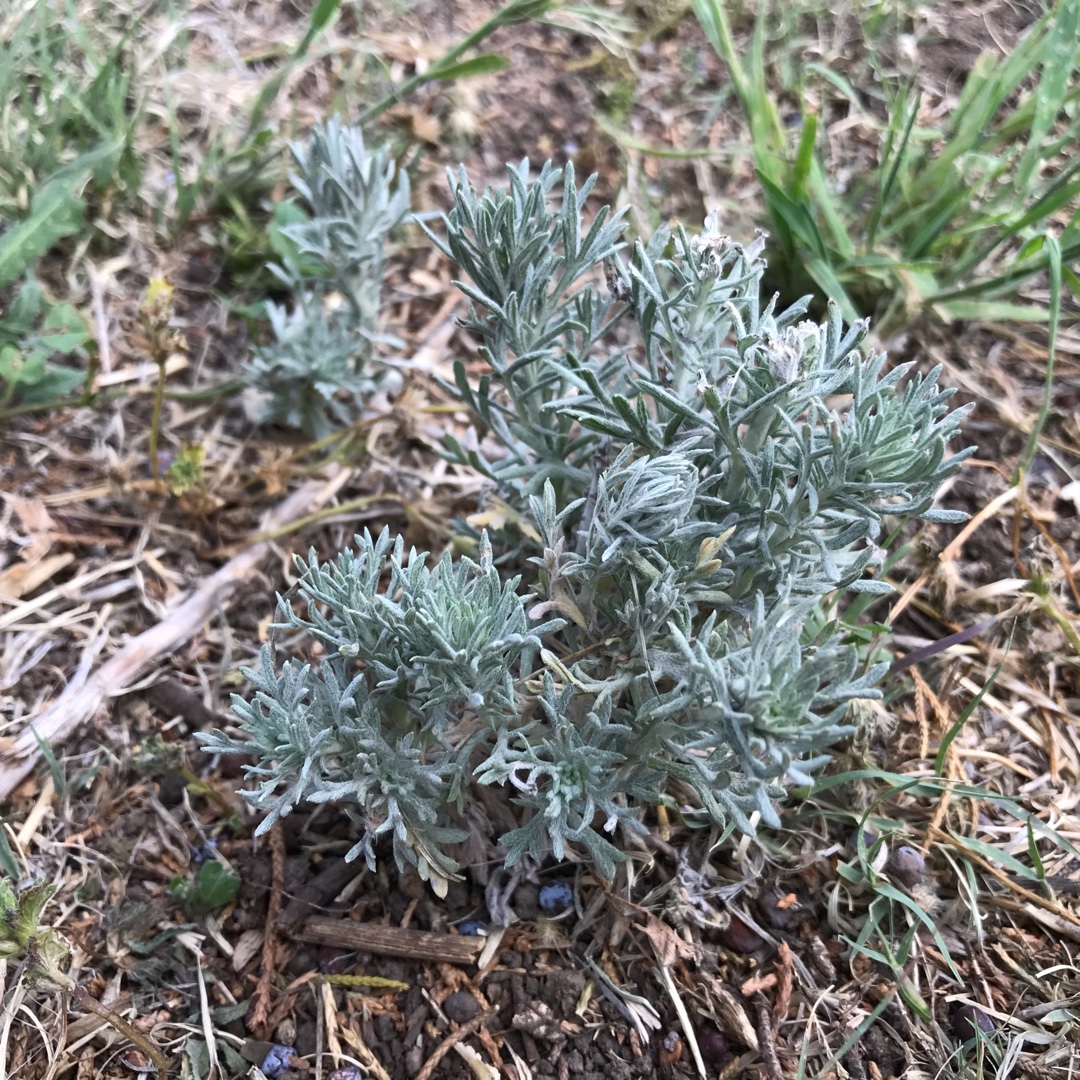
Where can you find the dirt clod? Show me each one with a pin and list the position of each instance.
(461, 1007)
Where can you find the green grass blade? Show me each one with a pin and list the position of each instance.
(838, 81)
(995, 855)
(767, 129)
(804, 157)
(1053, 253)
(958, 726)
(1072, 280)
(8, 863)
(892, 893)
(795, 215)
(713, 19)
(1061, 193)
(1033, 853)
(850, 1041)
(989, 311)
(832, 214)
(323, 15)
(1058, 65)
(485, 64)
(515, 11)
(936, 232)
(1009, 279)
(894, 158)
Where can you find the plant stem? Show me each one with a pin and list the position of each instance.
(1053, 253)
(233, 386)
(149, 1048)
(155, 421)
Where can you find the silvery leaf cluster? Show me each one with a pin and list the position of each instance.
(700, 479)
(318, 365)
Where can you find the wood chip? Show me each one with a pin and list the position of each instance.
(756, 983)
(319, 891)
(732, 1016)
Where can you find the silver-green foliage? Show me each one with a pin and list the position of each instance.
(705, 475)
(317, 368)
(416, 678)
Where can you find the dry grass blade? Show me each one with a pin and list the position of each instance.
(668, 982)
(79, 703)
(363, 1052)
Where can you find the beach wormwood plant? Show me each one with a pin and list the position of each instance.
(314, 372)
(690, 482)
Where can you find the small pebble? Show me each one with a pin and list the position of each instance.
(350, 1072)
(278, 1061)
(300, 963)
(556, 896)
(472, 928)
(461, 1007)
(307, 1038)
(171, 789)
(738, 937)
(713, 1044)
(907, 865)
(968, 1020)
(286, 1032)
(779, 918)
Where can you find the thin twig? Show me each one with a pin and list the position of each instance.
(260, 1006)
(451, 1040)
(391, 941)
(143, 1042)
(769, 1057)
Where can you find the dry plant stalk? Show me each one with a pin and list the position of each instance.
(391, 941)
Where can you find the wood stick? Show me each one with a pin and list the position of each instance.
(390, 941)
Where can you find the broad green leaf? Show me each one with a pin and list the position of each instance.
(54, 214)
(31, 902)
